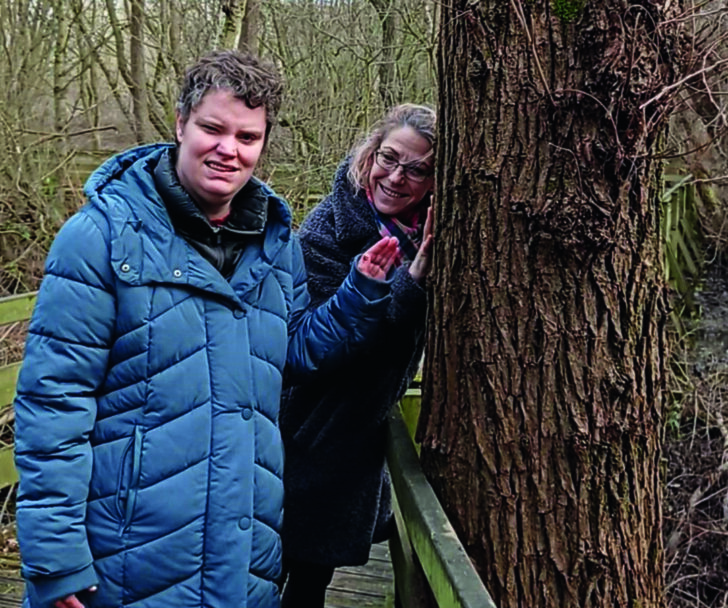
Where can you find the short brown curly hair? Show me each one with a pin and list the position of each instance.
(249, 78)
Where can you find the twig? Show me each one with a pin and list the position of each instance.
(518, 7)
(682, 82)
(51, 136)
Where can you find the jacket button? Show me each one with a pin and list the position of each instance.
(177, 273)
(247, 413)
(238, 313)
(244, 523)
(125, 268)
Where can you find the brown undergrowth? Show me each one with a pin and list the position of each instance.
(696, 498)
(695, 504)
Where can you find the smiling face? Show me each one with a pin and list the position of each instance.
(392, 193)
(218, 148)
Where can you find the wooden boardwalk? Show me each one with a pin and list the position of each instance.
(370, 586)
(11, 590)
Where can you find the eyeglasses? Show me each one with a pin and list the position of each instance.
(414, 172)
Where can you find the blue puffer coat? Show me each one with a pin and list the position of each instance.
(147, 435)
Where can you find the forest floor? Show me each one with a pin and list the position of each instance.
(696, 451)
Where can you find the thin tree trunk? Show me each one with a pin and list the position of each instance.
(110, 76)
(88, 75)
(387, 62)
(175, 27)
(545, 369)
(250, 28)
(60, 18)
(118, 36)
(138, 86)
(234, 13)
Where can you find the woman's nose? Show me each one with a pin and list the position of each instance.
(397, 175)
(226, 145)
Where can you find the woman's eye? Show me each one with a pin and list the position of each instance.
(389, 158)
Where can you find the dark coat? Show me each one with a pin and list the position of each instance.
(337, 491)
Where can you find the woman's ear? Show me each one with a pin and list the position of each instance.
(179, 127)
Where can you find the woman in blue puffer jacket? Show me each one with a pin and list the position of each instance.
(147, 436)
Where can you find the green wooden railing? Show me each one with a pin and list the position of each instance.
(13, 309)
(431, 567)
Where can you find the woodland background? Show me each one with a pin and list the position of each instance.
(82, 79)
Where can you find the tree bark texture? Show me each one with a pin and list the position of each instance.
(545, 369)
(234, 14)
(250, 28)
(138, 86)
(387, 62)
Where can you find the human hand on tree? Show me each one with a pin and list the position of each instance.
(376, 261)
(421, 265)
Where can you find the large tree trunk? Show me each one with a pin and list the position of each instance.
(545, 371)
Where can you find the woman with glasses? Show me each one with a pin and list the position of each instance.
(337, 492)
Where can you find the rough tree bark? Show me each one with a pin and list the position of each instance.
(545, 370)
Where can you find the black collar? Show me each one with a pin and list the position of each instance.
(248, 210)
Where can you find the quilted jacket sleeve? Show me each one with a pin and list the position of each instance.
(321, 338)
(319, 414)
(328, 258)
(65, 362)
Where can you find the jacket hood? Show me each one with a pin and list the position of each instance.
(137, 165)
(144, 245)
(353, 217)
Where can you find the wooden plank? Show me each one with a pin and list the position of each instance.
(676, 278)
(374, 569)
(410, 407)
(368, 586)
(16, 308)
(8, 473)
(452, 577)
(687, 257)
(359, 583)
(666, 219)
(336, 598)
(8, 380)
(412, 587)
(11, 590)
